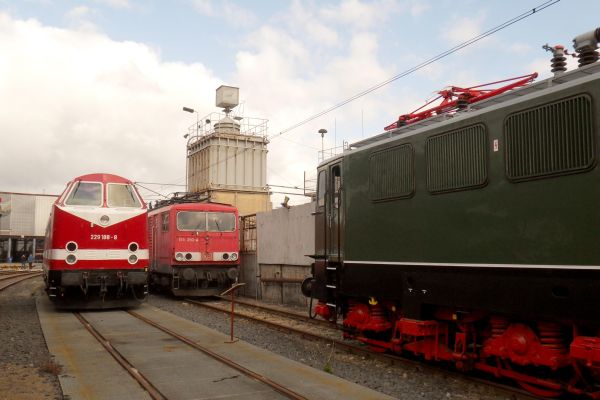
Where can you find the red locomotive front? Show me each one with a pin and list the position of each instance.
(194, 247)
(96, 251)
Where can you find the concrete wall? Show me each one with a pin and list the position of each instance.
(284, 238)
(248, 272)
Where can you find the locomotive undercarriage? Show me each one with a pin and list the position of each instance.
(548, 357)
(189, 281)
(93, 289)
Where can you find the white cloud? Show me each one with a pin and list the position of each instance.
(307, 19)
(519, 48)
(80, 18)
(232, 13)
(418, 8)
(461, 29)
(204, 7)
(78, 102)
(116, 3)
(359, 14)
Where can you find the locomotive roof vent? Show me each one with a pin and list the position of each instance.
(586, 45)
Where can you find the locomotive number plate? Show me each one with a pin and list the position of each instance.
(103, 237)
(188, 239)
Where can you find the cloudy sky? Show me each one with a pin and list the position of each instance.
(99, 85)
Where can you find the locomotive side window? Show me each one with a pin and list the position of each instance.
(221, 222)
(554, 139)
(165, 221)
(337, 185)
(120, 195)
(85, 194)
(457, 160)
(191, 221)
(322, 181)
(392, 173)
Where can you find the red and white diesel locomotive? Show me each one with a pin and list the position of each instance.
(96, 251)
(194, 246)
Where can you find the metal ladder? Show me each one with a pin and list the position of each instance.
(331, 284)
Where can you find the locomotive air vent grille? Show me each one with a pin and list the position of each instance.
(457, 160)
(391, 173)
(553, 139)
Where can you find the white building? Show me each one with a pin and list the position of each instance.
(23, 220)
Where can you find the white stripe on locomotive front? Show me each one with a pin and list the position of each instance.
(93, 214)
(197, 256)
(96, 254)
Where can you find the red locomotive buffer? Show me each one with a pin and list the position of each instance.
(96, 253)
(194, 246)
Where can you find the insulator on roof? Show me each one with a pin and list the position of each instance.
(558, 60)
(586, 45)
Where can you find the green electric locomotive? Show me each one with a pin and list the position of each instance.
(471, 234)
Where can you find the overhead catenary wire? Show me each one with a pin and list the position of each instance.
(396, 77)
(425, 63)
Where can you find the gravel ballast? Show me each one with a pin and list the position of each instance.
(28, 371)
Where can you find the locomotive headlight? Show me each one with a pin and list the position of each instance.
(71, 259)
(71, 247)
(132, 259)
(133, 247)
(179, 256)
(234, 256)
(188, 256)
(104, 220)
(225, 256)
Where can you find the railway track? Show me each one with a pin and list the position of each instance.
(276, 318)
(289, 322)
(7, 280)
(151, 388)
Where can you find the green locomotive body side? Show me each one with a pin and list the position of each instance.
(494, 209)
(546, 220)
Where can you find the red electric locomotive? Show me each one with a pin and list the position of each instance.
(96, 251)
(194, 246)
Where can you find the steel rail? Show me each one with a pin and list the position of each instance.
(283, 313)
(9, 275)
(357, 350)
(14, 279)
(137, 375)
(230, 363)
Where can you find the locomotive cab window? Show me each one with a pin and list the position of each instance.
(165, 221)
(321, 183)
(191, 221)
(221, 222)
(85, 194)
(121, 195)
(205, 222)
